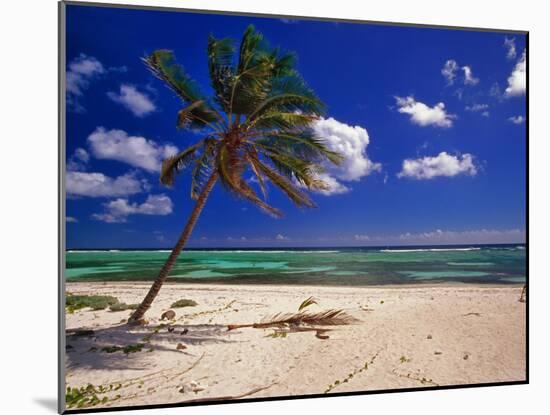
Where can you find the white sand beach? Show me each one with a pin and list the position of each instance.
(405, 337)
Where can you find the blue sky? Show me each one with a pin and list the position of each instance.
(432, 123)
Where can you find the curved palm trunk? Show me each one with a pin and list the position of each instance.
(169, 264)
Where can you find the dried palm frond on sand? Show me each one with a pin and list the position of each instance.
(322, 318)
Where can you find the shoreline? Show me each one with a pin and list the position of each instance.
(197, 285)
(402, 337)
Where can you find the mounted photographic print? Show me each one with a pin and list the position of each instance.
(256, 207)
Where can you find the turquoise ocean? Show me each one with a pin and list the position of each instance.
(483, 264)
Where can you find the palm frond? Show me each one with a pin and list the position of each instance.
(162, 64)
(303, 144)
(172, 165)
(292, 166)
(196, 115)
(220, 65)
(297, 197)
(230, 169)
(307, 302)
(203, 168)
(323, 318)
(289, 94)
(273, 121)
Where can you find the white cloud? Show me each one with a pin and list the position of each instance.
(517, 81)
(518, 119)
(99, 185)
(495, 91)
(481, 108)
(78, 160)
(423, 115)
(477, 107)
(449, 71)
(477, 236)
(118, 210)
(134, 150)
(137, 102)
(510, 45)
(469, 78)
(80, 72)
(443, 164)
(281, 237)
(70, 219)
(361, 238)
(334, 187)
(351, 142)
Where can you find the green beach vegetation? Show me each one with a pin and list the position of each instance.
(184, 303)
(257, 123)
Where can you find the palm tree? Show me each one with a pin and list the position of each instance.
(257, 125)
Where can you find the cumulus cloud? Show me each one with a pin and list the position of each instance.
(118, 210)
(423, 115)
(517, 81)
(469, 78)
(351, 142)
(443, 164)
(518, 119)
(334, 187)
(80, 72)
(449, 71)
(99, 185)
(362, 238)
(135, 101)
(510, 45)
(70, 219)
(281, 237)
(134, 150)
(78, 160)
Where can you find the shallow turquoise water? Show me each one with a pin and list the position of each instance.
(335, 266)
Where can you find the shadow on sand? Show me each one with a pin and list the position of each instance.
(86, 348)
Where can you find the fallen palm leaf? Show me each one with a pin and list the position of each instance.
(307, 302)
(322, 318)
(230, 397)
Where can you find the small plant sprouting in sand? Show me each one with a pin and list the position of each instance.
(131, 348)
(277, 334)
(202, 313)
(423, 380)
(404, 359)
(95, 302)
(322, 318)
(307, 302)
(87, 396)
(184, 303)
(352, 374)
(122, 307)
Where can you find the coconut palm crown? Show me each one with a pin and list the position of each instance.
(258, 124)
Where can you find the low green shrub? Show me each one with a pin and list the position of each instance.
(122, 307)
(184, 303)
(95, 302)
